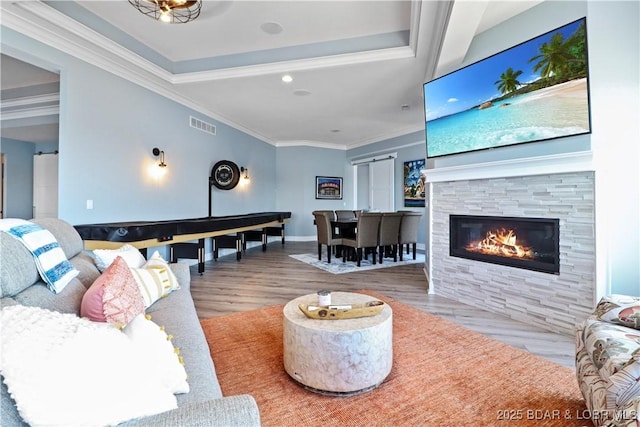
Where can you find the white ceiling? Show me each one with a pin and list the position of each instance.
(18, 74)
(354, 64)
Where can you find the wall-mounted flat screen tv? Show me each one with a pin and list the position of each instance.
(535, 91)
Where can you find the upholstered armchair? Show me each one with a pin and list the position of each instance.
(389, 234)
(608, 361)
(366, 236)
(326, 233)
(409, 227)
(342, 215)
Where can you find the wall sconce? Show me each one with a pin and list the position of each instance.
(157, 152)
(246, 173)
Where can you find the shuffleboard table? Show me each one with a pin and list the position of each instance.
(146, 234)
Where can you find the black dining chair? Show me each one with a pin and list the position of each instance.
(389, 235)
(409, 227)
(326, 233)
(366, 236)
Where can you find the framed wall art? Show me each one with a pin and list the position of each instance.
(414, 184)
(328, 187)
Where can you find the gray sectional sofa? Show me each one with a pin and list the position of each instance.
(203, 405)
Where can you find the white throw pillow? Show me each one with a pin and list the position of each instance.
(155, 346)
(130, 254)
(69, 371)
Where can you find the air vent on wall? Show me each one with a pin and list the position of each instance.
(201, 125)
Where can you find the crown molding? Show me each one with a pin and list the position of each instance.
(414, 26)
(24, 108)
(30, 100)
(296, 65)
(31, 113)
(56, 29)
(306, 143)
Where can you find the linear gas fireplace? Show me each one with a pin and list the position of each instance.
(530, 243)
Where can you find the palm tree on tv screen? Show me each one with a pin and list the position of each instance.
(509, 81)
(562, 58)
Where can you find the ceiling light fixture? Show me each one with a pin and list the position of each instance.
(169, 11)
(287, 78)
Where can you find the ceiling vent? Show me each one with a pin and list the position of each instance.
(201, 125)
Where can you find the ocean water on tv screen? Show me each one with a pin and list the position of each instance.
(544, 114)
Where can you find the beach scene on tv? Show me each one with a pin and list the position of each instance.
(534, 91)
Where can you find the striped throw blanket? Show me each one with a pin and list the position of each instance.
(54, 268)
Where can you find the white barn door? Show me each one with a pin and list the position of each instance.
(381, 185)
(45, 185)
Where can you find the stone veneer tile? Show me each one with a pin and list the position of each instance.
(555, 302)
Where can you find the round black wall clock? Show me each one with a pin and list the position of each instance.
(225, 175)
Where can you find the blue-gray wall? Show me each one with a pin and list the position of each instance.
(114, 140)
(46, 147)
(296, 171)
(18, 178)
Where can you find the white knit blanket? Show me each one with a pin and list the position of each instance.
(63, 370)
(54, 268)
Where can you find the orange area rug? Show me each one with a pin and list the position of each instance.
(443, 375)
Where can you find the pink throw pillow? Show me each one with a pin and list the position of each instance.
(114, 297)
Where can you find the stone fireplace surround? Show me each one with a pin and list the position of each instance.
(554, 302)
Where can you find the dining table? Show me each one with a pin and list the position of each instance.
(346, 228)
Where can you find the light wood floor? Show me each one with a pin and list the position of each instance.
(269, 278)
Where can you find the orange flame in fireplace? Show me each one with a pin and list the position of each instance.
(501, 242)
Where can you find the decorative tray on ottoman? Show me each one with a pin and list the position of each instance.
(344, 311)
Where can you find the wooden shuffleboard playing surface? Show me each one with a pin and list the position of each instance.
(146, 234)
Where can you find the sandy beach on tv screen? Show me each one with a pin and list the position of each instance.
(571, 89)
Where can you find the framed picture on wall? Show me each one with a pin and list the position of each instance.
(329, 187)
(414, 184)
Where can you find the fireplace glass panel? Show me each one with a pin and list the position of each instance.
(530, 243)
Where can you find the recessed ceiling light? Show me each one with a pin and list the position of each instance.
(271, 28)
(335, 130)
(301, 92)
(287, 78)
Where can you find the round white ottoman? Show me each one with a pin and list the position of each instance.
(337, 357)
